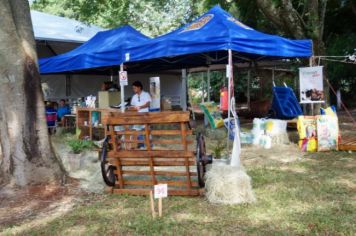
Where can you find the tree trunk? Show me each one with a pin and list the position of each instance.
(26, 155)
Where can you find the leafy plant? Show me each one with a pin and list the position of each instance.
(218, 149)
(77, 145)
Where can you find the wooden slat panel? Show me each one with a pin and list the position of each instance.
(169, 132)
(161, 173)
(348, 142)
(133, 140)
(130, 132)
(118, 171)
(148, 146)
(154, 153)
(170, 141)
(343, 147)
(171, 192)
(149, 183)
(160, 163)
(185, 146)
(147, 118)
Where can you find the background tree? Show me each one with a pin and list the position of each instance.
(151, 17)
(26, 155)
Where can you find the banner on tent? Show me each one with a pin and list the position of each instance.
(311, 84)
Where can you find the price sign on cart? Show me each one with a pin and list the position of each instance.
(161, 191)
(123, 78)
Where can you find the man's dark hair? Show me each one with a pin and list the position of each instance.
(137, 84)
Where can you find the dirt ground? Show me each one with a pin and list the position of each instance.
(23, 208)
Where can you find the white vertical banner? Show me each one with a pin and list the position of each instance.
(123, 78)
(155, 91)
(311, 84)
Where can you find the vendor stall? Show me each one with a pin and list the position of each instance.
(214, 38)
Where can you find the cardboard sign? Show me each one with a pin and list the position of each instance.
(328, 132)
(161, 191)
(311, 84)
(123, 78)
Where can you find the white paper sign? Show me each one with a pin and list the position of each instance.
(311, 84)
(155, 91)
(123, 78)
(160, 191)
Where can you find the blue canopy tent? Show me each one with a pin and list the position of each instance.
(206, 41)
(215, 31)
(102, 50)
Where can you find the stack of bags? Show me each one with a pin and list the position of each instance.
(319, 133)
(268, 132)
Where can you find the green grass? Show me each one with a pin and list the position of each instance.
(314, 196)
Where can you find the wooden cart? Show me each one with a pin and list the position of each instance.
(145, 149)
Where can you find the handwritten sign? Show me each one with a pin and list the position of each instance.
(123, 78)
(160, 191)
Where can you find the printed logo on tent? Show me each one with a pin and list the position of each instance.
(199, 23)
(239, 23)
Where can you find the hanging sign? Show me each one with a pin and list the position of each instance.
(311, 84)
(155, 91)
(123, 78)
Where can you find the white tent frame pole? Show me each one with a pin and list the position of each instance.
(230, 79)
(122, 91)
(248, 89)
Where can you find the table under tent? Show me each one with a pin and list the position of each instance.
(213, 38)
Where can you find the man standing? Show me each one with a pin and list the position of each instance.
(141, 100)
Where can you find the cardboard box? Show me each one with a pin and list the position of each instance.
(107, 99)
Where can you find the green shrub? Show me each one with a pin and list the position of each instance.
(219, 148)
(78, 145)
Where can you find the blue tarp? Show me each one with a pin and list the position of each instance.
(217, 30)
(104, 49)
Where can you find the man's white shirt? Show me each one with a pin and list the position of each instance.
(140, 100)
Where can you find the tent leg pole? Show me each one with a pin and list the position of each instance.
(208, 84)
(230, 76)
(122, 89)
(248, 89)
(184, 90)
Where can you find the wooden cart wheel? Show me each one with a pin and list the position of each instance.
(107, 170)
(202, 159)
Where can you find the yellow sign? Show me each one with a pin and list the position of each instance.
(199, 23)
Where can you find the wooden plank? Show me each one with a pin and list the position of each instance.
(118, 171)
(130, 132)
(161, 173)
(112, 140)
(170, 132)
(148, 147)
(160, 163)
(149, 183)
(141, 118)
(185, 146)
(343, 147)
(128, 141)
(171, 192)
(153, 132)
(170, 141)
(155, 153)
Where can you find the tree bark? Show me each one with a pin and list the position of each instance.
(26, 155)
